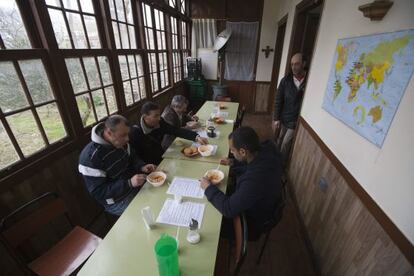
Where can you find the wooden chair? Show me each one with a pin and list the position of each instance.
(273, 222)
(241, 237)
(63, 258)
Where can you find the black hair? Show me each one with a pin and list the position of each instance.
(113, 121)
(245, 138)
(148, 107)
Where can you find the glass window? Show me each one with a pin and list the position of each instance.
(123, 24)
(93, 87)
(74, 27)
(132, 77)
(28, 111)
(12, 30)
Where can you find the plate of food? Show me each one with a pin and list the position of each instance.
(214, 176)
(219, 120)
(205, 150)
(156, 179)
(190, 151)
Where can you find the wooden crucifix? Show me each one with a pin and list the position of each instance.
(267, 51)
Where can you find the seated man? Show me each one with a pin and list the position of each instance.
(112, 171)
(175, 115)
(146, 137)
(258, 188)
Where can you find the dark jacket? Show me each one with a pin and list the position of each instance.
(258, 190)
(288, 101)
(170, 116)
(147, 142)
(106, 169)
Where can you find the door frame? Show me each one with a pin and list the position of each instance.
(296, 38)
(276, 62)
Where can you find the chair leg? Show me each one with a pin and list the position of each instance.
(263, 247)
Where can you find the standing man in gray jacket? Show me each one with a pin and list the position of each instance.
(287, 105)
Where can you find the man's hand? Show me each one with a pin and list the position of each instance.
(227, 161)
(204, 183)
(148, 168)
(202, 140)
(275, 126)
(138, 180)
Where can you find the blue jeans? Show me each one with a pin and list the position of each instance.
(118, 207)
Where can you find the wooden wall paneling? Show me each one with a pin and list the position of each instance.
(346, 238)
(208, 9)
(262, 97)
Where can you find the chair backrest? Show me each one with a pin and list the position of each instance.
(278, 211)
(240, 116)
(24, 222)
(241, 236)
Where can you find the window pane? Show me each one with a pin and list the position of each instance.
(139, 65)
(148, 15)
(71, 4)
(155, 82)
(85, 109)
(36, 79)
(135, 90)
(87, 6)
(55, 3)
(132, 70)
(92, 31)
(76, 75)
(120, 10)
(132, 37)
(128, 95)
(99, 102)
(7, 153)
(110, 98)
(59, 27)
(124, 67)
(105, 72)
(26, 132)
(124, 36)
(128, 10)
(12, 29)
(116, 35)
(12, 96)
(172, 3)
(112, 9)
(76, 29)
(92, 72)
(142, 87)
(52, 122)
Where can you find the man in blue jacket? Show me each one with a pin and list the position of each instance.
(258, 187)
(112, 171)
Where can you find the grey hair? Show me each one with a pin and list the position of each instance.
(178, 101)
(113, 121)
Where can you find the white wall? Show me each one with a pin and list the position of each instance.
(267, 38)
(387, 174)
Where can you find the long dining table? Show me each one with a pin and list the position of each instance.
(128, 248)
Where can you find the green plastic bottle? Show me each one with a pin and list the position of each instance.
(167, 256)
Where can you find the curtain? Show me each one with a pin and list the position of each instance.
(204, 33)
(241, 51)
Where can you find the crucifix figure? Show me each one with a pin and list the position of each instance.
(267, 51)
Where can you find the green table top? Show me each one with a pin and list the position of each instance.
(128, 248)
(208, 107)
(174, 151)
